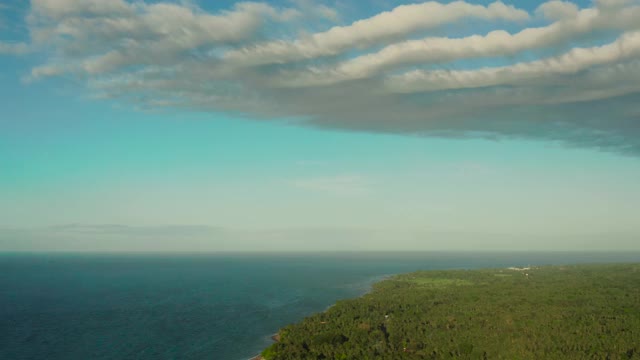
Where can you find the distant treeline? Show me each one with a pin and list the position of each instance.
(555, 312)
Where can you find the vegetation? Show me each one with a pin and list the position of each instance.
(568, 312)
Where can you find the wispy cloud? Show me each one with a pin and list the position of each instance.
(472, 169)
(13, 48)
(559, 72)
(310, 163)
(117, 229)
(341, 184)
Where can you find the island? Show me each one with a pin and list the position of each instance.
(548, 312)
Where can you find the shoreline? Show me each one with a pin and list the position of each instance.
(370, 282)
(275, 338)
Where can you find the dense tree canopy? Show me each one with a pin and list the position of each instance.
(559, 312)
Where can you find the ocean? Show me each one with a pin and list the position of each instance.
(196, 306)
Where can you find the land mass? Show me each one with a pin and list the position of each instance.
(551, 312)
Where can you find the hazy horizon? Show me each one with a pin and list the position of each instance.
(119, 238)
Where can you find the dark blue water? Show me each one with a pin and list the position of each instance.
(222, 306)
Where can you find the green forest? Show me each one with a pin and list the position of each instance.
(550, 312)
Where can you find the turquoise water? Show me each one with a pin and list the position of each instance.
(213, 306)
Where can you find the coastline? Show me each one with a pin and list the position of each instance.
(369, 284)
(276, 338)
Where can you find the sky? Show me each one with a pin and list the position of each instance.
(301, 125)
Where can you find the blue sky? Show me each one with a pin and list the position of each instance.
(311, 148)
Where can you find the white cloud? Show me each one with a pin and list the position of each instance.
(313, 9)
(558, 10)
(45, 71)
(578, 59)
(608, 4)
(443, 49)
(57, 10)
(103, 36)
(401, 21)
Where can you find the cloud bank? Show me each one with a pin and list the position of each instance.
(560, 72)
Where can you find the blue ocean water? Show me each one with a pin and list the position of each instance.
(196, 306)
